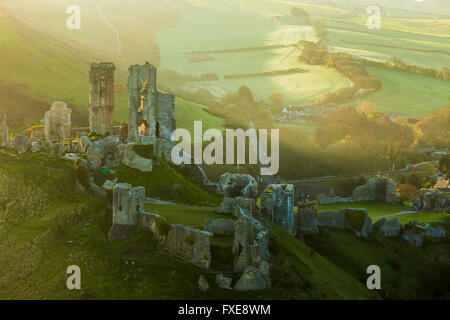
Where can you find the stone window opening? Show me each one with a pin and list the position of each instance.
(143, 128)
(157, 129)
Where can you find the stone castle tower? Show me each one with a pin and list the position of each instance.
(151, 113)
(101, 99)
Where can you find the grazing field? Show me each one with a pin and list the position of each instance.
(415, 49)
(408, 94)
(227, 30)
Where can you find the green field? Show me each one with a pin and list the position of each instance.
(51, 227)
(228, 29)
(408, 94)
(415, 49)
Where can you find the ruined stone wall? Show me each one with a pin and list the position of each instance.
(127, 203)
(58, 122)
(251, 243)
(101, 99)
(189, 244)
(165, 116)
(277, 201)
(142, 100)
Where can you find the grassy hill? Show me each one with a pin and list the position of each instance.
(409, 94)
(37, 69)
(50, 227)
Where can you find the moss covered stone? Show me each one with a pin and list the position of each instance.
(356, 219)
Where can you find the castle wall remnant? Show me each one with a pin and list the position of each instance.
(151, 113)
(129, 216)
(251, 243)
(58, 122)
(127, 203)
(240, 191)
(4, 134)
(307, 216)
(101, 98)
(278, 202)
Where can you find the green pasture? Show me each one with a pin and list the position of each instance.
(409, 94)
(228, 29)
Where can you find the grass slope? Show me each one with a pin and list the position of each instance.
(37, 69)
(49, 227)
(406, 272)
(409, 94)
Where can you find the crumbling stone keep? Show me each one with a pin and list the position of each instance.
(101, 99)
(151, 113)
(4, 134)
(57, 122)
(277, 201)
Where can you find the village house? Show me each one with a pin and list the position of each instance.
(313, 191)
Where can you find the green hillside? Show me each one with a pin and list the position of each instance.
(50, 227)
(408, 94)
(37, 69)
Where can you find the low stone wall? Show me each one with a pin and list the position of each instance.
(186, 243)
(189, 244)
(307, 219)
(356, 220)
(332, 200)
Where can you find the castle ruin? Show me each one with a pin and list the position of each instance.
(101, 98)
(151, 113)
(58, 122)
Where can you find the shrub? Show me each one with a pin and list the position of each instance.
(356, 219)
(81, 173)
(162, 226)
(190, 239)
(145, 151)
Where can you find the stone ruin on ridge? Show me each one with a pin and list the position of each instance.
(58, 122)
(151, 113)
(129, 215)
(101, 98)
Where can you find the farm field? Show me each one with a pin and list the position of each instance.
(189, 35)
(378, 210)
(408, 94)
(426, 51)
